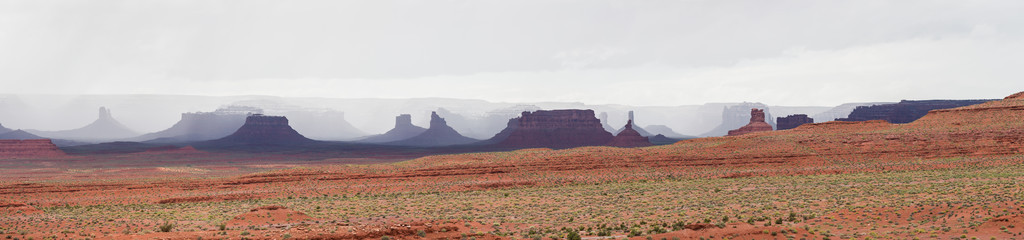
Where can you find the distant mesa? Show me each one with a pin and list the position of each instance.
(629, 138)
(662, 140)
(322, 124)
(31, 148)
(604, 123)
(4, 130)
(841, 111)
(403, 130)
(553, 129)
(666, 132)
(635, 128)
(203, 126)
(756, 124)
(737, 116)
(905, 111)
(263, 129)
(105, 128)
(439, 134)
(792, 121)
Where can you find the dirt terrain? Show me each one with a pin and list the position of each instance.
(950, 174)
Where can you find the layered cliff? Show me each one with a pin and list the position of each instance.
(554, 129)
(31, 148)
(905, 111)
(403, 130)
(756, 124)
(792, 121)
(439, 134)
(629, 138)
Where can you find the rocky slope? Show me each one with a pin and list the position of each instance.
(403, 130)
(629, 138)
(905, 111)
(554, 129)
(792, 121)
(439, 134)
(756, 124)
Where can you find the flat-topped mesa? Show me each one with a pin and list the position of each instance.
(629, 138)
(756, 124)
(403, 130)
(31, 148)
(792, 121)
(556, 129)
(905, 111)
(439, 134)
(202, 126)
(259, 128)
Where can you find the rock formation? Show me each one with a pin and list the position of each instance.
(736, 116)
(792, 121)
(841, 111)
(905, 111)
(629, 137)
(105, 128)
(756, 124)
(31, 148)
(262, 129)
(403, 130)
(439, 134)
(553, 129)
(635, 128)
(202, 126)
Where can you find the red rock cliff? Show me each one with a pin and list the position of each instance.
(792, 121)
(29, 148)
(756, 124)
(557, 129)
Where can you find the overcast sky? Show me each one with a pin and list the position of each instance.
(594, 51)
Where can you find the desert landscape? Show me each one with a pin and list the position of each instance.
(953, 173)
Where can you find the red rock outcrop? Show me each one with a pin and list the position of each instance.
(555, 129)
(792, 121)
(29, 148)
(629, 138)
(262, 129)
(756, 124)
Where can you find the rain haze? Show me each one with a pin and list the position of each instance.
(637, 53)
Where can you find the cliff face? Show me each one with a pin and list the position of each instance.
(756, 124)
(202, 126)
(262, 129)
(629, 138)
(555, 129)
(905, 111)
(403, 130)
(105, 128)
(439, 134)
(29, 148)
(792, 121)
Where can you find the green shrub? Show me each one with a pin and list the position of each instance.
(166, 227)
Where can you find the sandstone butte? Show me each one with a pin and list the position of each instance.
(629, 138)
(263, 129)
(792, 121)
(438, 134)
(403, 130)
(554, 129)
(756, 124)
(30, 148)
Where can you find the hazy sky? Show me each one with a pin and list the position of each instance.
(629, 52)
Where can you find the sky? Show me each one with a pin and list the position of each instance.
(796, 53)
